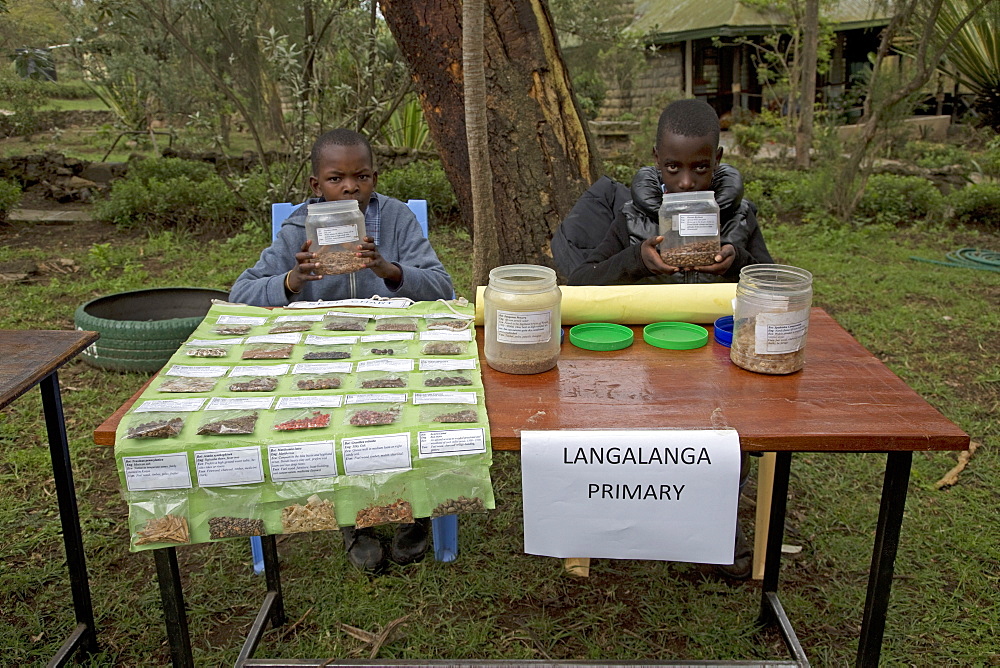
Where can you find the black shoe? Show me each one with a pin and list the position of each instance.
(742, 565)
(364, 549)
(410, 541)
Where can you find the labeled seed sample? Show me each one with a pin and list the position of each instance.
(447, 381)
(156, 429)
(370, 418)
(331, 383)
(444, 348)
(234, 527)
(400, 512)
(345, 324)
(332, 263)
(326, 355)
(467, 415)
(271, 352)
(451, 324)
(315, 421)
(373, 383)
(694, 254)
(206, 352)
(460, 505)
(316, 515)
(743, 353)
(232, 330)
(285, 327)
(187, 385)
(243, 424)
(396, 325)
(257, 384)
(166, 529)
(381, 351)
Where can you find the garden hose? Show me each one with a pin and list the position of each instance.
(970, 258)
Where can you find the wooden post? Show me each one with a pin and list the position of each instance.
(765, 480)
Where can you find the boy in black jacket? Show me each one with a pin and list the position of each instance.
(687, 154)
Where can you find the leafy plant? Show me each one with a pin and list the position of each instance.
(933, 155)
(974, 54)
(897, 200)
(407, 127)
(22, 97)
(10, 196)
(748, 139)
(420, 180)
(976, 203)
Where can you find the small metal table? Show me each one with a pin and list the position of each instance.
(32, 357)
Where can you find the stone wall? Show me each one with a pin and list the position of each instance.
(663, 75)
(47, 121)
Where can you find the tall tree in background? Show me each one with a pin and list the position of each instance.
(810, 48)
(540, 150)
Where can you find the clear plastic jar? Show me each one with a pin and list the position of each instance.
(522, 318)
(335, 228)
(771, 318)
(689, 225)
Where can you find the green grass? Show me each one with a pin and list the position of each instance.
(85, 104)
(935, 327)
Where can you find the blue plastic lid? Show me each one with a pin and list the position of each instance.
(724, 331)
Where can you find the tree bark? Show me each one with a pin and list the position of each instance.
(540, 150)
(807, 97)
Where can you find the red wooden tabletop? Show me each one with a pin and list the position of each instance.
(28, 355)
(844, 400)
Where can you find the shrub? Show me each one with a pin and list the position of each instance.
(931, 155)
(786, 194)
(170, 192)
(420, 180)
(895, 199)
(976, 203)
(23, 98)
(748, 138)
(10, 195)
(988, 162)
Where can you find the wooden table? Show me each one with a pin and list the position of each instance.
(30, 358)
(845, 400)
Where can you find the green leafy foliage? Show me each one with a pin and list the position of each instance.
(899, 200)
(407, 126)
(420, 180)
(976, 203)
(748, 139)
(933, 155)
(10, 195)
(22, 97)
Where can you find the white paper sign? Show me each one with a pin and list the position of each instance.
(239, 403)
(197, 371)
(381, 338)
(235, 341)
(259, 370)
(447, 365)
(236, 466)
(371, 454)
(385, 365)
(377, 398)
(290, 337)
(446, 335)
(302, 461)
(240, 320)
(631, 494)
(311, 401)
(322, 367)
(447, 442)
(445, 398)
(170, 406)
(317, 340)
(151, 472)
(309, 317)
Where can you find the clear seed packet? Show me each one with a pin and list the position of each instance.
(230, 512)
(313, 514)
(236, 325)
(444, 348)
(444, 378)
(373, 380)
(228, 422)
(329, 347)
(396, 512)
(296, 419)
(186, 384)
(396, 323)
(210, 348)
(393, 344)
(448, 407)
(447, 323)
(285, 327)
(159, 519)
(310, 376)
(231, 330)
(267, 351)
(345, 322)
(226, 526)
(256, 378)
(373, 410)
(155, 425)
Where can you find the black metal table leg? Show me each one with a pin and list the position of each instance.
(890, 521)
(84, 637)
(172, 597)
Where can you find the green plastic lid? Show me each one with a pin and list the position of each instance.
(601, 336)
(675, 335)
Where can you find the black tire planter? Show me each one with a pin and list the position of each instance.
(140, 330)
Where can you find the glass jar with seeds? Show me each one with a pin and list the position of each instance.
(337, 321)
(158, 519)
(329, 347)
(335, 229)
(689, 225)
(396, 323)
(522, 319)
(771, 318)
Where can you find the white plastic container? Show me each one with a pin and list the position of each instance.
(771, 318)
(335, 229)
(521, 312)
(689, 225)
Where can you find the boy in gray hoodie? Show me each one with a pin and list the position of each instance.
(399, 260)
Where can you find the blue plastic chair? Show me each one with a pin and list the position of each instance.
(444, 530)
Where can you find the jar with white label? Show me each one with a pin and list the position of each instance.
(335, 229)
(522, 319)
(771, 318)
(689, 225)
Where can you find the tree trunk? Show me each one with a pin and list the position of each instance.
(484, 224)
(807, 97)
(540, 150)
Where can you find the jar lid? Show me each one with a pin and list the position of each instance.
(724, 331)
(601, 336)
(675, 335)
